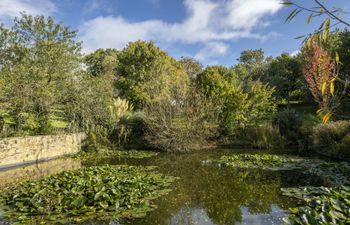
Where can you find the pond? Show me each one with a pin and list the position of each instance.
(206, 193)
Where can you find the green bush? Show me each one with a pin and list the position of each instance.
(289, 123)
(130, 132)
(332, 139)
(97, 138)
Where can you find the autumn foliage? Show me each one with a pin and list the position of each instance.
(320, 72)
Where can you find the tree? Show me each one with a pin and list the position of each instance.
(145, 74)
(38, 58)
(285, 74)
(339, 43)
(254, 62)
(321, 71)
(44, 86)
(102, 62)
(252, 57)
(239, 102)
(321, 38)
(191, 66)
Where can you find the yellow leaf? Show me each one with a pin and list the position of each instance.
(324, 87)
(309, 43)
(332, 88)
(326, 117)
(326, 31)
(337, 57)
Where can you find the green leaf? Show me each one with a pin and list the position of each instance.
(309, 19)
(292, 15)
(287, 3)
(104, 204)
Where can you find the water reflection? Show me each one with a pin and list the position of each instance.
(191, 216)
(212, 194)
(37, 170)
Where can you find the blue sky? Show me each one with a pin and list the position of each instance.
(212, 31)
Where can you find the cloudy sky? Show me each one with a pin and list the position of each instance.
(212, 31)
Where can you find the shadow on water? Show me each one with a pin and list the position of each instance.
(208, 193)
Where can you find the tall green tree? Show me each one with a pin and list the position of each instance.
(38, 58)
(238, 102)
(286, 75)
(252, 61)
(145, 74)
(191, 66)
(102, 62)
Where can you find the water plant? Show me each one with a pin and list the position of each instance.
(95, 192)
(332, 173)
(323, 205)
(266, 161)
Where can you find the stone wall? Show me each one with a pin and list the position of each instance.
(20, 150)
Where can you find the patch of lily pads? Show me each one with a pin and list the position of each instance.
(90, 193)
(323, 205)
(266, 161)
(333, 173)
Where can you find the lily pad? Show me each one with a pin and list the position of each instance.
(95, 192)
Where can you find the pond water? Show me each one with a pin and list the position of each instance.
(207, 193)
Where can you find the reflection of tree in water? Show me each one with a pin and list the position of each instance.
(188, 216)
(219, 193)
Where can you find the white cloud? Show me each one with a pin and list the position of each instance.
(210, 51)
(107, 32)
(207, 21)
(12, 8)
(246, 14)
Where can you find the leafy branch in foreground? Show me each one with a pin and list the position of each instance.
(318, 9)
(321, 37)
(322, 74)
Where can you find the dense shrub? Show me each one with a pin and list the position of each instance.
(97, 138)
(130, 131)
(289, 123)
(332, 139)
